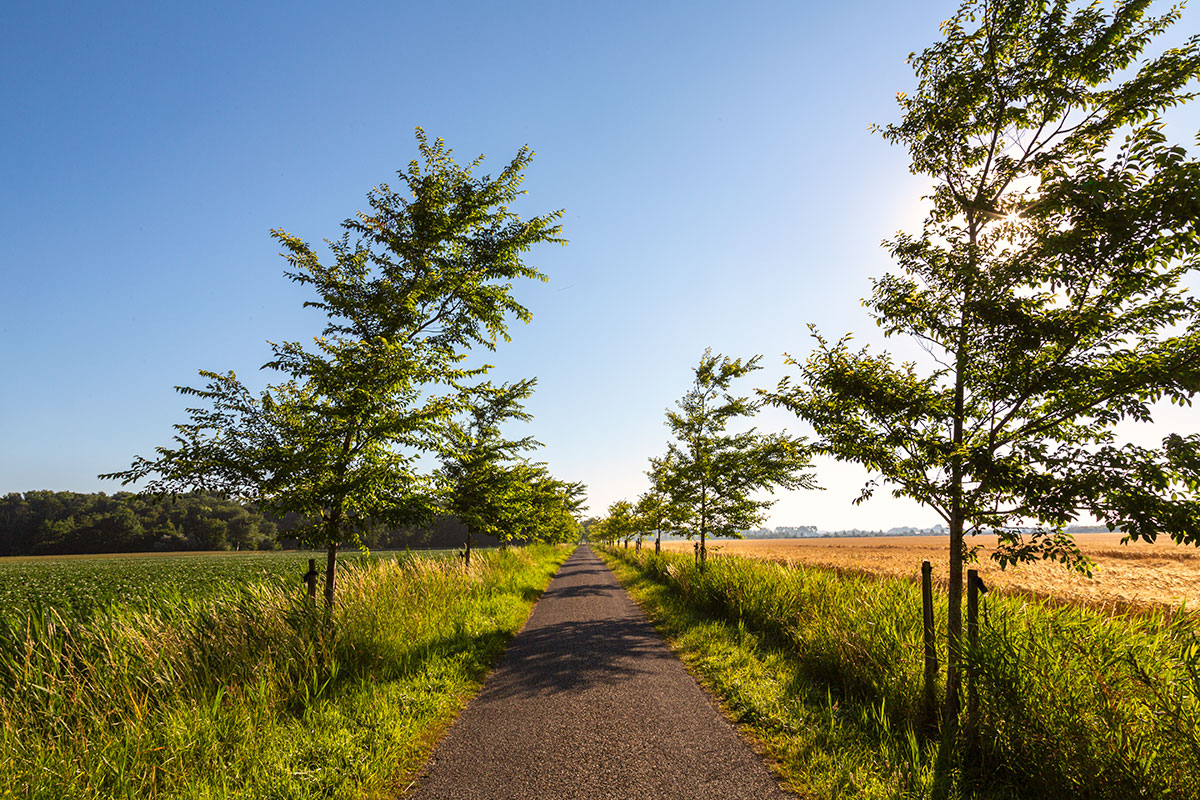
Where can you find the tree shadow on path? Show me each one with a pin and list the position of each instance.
(575, 655)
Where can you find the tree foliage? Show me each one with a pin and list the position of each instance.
(656, 509)
(1046, 285)
(476, 477)
(620, 524)
(413, 283)
(546, 507)
(486, 482)
(714, 477)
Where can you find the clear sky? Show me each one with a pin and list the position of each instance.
(719, 182)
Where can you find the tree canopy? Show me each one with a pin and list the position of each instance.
(715, 477)
(620, 523)
(52, 523)
(486, 482)
(413, 284)
(1047, 286)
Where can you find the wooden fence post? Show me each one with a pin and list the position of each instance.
(974, 588)
(931, 665)
(310, 578)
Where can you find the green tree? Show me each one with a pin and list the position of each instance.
(544, 508)
(1045, 284)
(490, 487)
(620, 524)
(478, 482)
(595, 529)
(413, 284)
(588, 529)
(715, 477)
(654, 507)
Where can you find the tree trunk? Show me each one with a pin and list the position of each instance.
(330, 574)
(950, 710)
(954, 623)
(467, 552)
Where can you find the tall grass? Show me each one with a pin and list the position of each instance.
(257, 694)
(1073, 702)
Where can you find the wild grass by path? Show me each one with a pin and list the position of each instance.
(253, 695)
(826, 670)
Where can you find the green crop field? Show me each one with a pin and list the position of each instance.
(209, 675)
(78, 585)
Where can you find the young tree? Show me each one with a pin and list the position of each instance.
(1045, 284)
(654, 507)
(413, 284)
(545, 507)
(486, 484)
(714, 476)
(620, 524)
(478, 483)
(596, 530)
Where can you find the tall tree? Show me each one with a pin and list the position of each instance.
(1045, 284)
(413, 284)
(715, 476)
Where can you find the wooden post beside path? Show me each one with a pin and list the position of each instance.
(310, 579)
(975, 587)
(931, 665)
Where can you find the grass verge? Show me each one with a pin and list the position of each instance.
(826, 670)
(255, 695)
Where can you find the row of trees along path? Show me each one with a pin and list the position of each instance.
(1049, 299)
(589, 702)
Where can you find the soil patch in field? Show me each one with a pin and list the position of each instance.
(1136, 574)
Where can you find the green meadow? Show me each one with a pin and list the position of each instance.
(213, 676)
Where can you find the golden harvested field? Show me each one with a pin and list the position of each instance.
(1137, 574)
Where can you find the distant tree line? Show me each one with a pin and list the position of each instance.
(69, 523)
(57, 523)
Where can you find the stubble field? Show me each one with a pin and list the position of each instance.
(1126, 575)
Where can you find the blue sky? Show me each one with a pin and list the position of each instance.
(719, 182)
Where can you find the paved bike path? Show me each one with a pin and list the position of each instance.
(589, 702)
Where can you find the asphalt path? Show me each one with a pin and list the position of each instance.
(589, 702)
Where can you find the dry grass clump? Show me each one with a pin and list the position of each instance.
(1133, 575)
